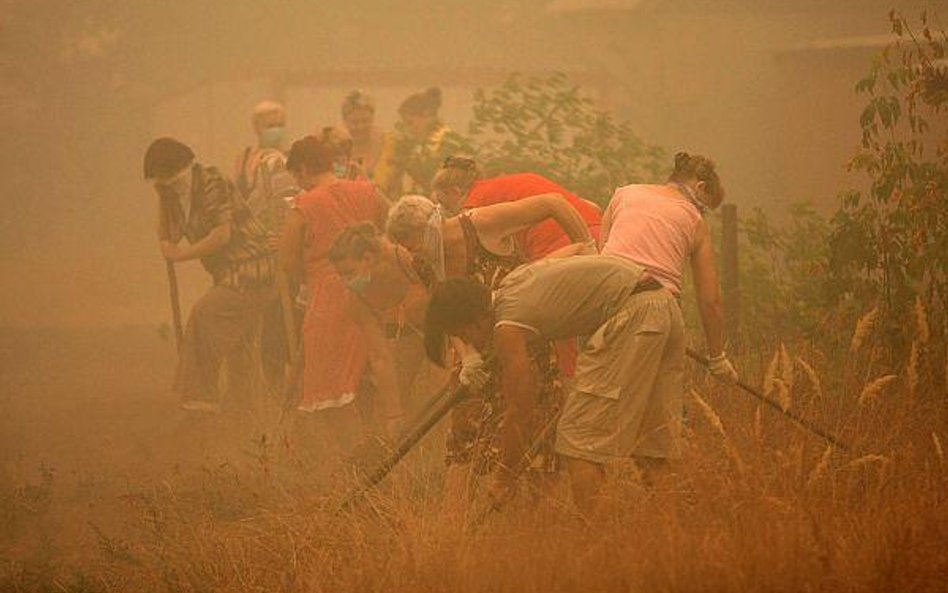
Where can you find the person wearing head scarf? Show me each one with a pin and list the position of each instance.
(199, 205)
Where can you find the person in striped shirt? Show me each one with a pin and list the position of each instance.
(199, 204)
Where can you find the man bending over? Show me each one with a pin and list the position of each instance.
(626, 399)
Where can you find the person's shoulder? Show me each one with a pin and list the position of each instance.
(631, 188)
(311, 196)
(213, 180)
(210, 171)
(355, 186)
(526, 179)
(271, 158)
(641, 191)
(511, 187)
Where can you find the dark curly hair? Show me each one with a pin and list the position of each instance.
(427, 102)
(313, 152)
(354, 242)
(165, 157)
(695, 166)
(454, 304)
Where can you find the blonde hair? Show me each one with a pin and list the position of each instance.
(408, 215)
(354, 242)
(338, 140)
(426, 103)
(268, 114)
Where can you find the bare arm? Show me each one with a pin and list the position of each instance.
(382, 365)
(519, 387)
(502, 220)
(291, 246)
(606, 227)
(708, 291)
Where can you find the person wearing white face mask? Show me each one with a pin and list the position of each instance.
(660, 227)
(198, 204)
(483, 244)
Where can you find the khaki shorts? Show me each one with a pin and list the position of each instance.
(626, 398)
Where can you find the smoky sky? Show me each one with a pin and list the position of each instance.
(84, 86)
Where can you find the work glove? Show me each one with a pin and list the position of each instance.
(473, 373)
(721, 367)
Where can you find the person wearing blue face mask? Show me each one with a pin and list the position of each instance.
(260, 173)
(335, 352)
(388, 306)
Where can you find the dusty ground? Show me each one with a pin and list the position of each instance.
(105, 485)
(86, 420)
(89, 429)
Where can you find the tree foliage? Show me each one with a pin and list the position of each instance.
(891, 240)
(548, 126)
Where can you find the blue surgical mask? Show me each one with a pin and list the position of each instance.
(272, 137)
(359, 283)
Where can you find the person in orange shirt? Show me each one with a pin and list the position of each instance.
(459, 185)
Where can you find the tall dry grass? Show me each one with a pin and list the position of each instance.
(755, 504)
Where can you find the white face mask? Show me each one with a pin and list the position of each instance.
(433, 243)
(178, 186)
(181, 184)
(693, 198)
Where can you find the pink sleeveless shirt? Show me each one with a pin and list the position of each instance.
(656, 227)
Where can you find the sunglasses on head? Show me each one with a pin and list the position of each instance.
(459, 162)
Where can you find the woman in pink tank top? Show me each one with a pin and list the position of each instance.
(659, 227)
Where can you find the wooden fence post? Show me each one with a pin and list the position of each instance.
(730, 289)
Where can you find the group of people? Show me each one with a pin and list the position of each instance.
(547, 311)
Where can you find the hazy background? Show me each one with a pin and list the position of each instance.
(763, 86)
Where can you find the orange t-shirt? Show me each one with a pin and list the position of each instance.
(539, 241)
(546, 237)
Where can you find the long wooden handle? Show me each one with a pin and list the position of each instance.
(823, 434)
(442, 403)
(289, 323)
(175, 305)
(165, 228)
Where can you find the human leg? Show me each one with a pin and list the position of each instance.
(274, 350)
(219, 324)
(610, 412)
(586, 480)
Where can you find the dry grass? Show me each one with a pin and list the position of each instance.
(756, 504)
